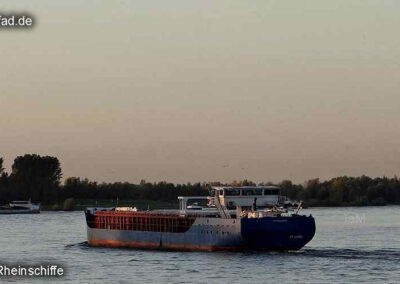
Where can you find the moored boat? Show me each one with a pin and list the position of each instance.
(20, 207)
(235, 218)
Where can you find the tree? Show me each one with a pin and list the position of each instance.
(244, 182)
(5, 195)
(36, 177)
(286, 187)
(1, 166)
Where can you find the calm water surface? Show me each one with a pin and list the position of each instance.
(351, 245)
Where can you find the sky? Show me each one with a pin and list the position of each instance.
(188, 91)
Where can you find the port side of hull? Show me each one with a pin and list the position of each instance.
(215, 234)
(205, 235)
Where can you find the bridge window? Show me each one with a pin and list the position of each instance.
(247, 192)
(253, 191)
(232, 191)
(271, 192)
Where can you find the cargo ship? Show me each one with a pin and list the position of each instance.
(232, 219)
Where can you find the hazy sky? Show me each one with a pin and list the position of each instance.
(204, 90)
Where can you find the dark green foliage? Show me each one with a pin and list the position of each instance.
(33, 177)
(38, 178)
(5, 194)
(84, 189)
(345, 191)
(340, 191)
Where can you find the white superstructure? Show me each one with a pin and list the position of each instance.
(25, 205)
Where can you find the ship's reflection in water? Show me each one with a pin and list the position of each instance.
(342, 251)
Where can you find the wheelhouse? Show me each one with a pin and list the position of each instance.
(247, 195)
(246, 191)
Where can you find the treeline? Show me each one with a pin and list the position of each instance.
(345, 191)
(39, 178)
(84, 189)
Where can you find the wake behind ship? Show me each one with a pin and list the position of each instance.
(235, 218)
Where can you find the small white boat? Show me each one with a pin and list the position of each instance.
(20, 207)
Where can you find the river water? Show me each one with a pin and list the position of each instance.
(353, 244)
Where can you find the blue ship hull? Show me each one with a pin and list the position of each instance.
(278, 233)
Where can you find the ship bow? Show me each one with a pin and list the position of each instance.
(278, 233)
